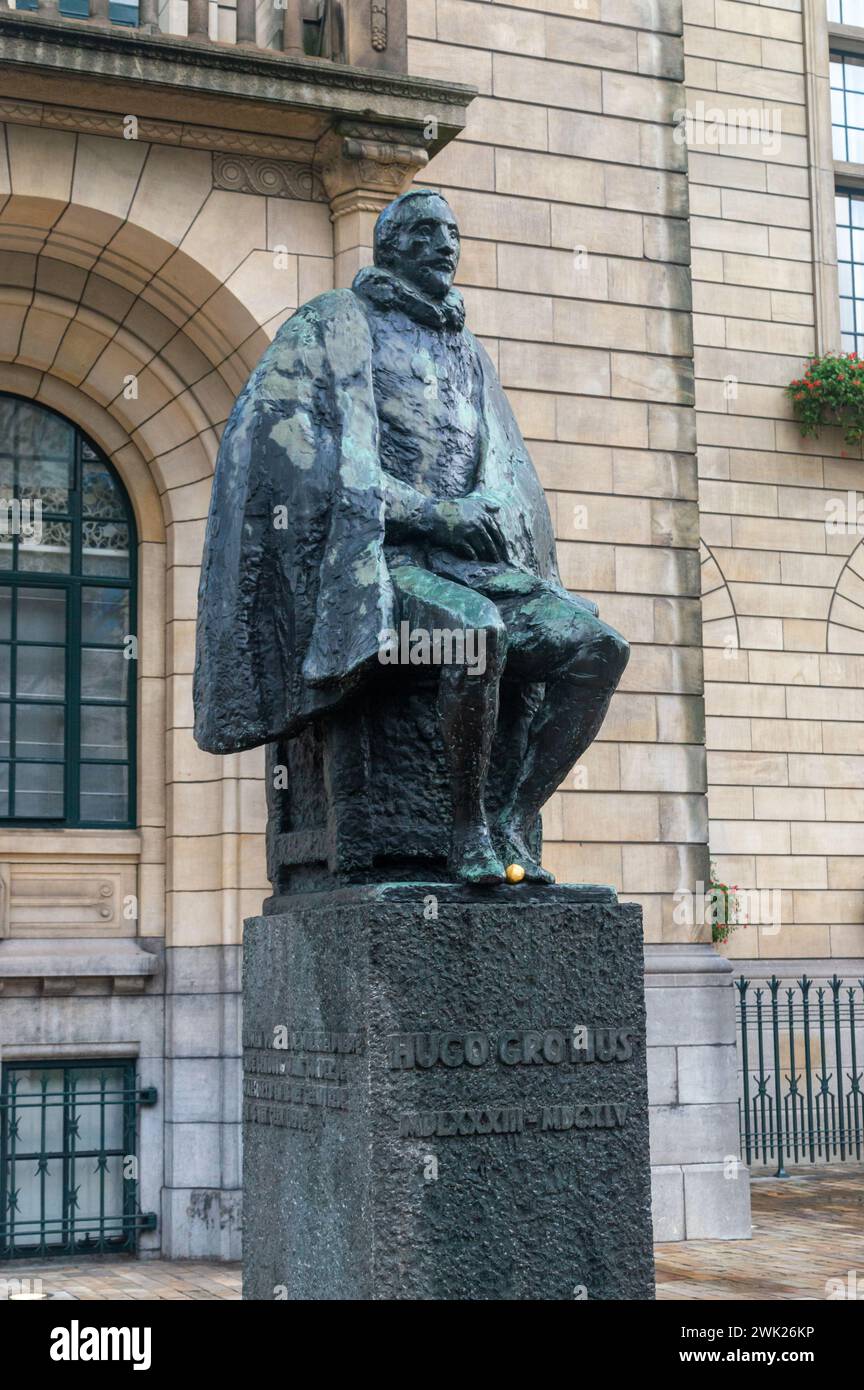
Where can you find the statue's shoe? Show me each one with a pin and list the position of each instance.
(515, 851)
(473, 858)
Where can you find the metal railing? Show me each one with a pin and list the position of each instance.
(801, 1099)
(299, 27)
(68, 1166)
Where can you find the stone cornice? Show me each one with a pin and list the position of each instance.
(157, 132)
(57, 967)
(188, 68)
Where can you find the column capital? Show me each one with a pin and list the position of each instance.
(363, 166)
(369, 158)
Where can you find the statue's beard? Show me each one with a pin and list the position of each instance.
(428, 280)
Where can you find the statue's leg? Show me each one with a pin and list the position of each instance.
(467, 703)
(584, 660)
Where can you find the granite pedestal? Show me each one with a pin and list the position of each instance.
(445, 1097)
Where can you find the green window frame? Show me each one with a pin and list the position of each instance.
(68, 1165)
(68, 619)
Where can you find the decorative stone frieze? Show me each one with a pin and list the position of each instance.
(274, 178)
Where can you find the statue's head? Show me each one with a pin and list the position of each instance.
(417, 238)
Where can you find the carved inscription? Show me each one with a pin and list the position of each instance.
(510, 1119)
(514, 1047)
(292, 1077)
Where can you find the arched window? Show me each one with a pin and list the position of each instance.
(67, 619)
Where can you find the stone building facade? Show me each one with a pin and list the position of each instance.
(784, 660)
(167, 201)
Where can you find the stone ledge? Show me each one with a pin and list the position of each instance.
(788, 968)
(689, 964)
(31, 842)
(61, 966)
(247, 84)
(72, 1052)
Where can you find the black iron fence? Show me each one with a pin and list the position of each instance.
(801, 1099)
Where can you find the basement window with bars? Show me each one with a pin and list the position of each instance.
(68, 1166)
(67, 624)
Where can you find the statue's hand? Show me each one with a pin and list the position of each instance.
(469, 526)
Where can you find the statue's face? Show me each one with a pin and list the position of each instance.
(426, 250)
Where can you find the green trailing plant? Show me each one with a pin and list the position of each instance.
(831, 392)
(725, 909)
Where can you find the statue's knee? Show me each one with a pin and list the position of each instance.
(601, 654)
(476, 642)
(613, 653)
(492, 645)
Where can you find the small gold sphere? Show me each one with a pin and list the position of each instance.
(515, 873)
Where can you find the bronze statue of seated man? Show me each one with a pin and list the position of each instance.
(372, 474)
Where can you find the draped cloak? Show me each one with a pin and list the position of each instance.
(295, 592)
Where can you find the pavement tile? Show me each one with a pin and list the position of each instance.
(807, 1229)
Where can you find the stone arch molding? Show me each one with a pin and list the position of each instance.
(719, 618)
(129, 321)
(88, 304)
(846, 613)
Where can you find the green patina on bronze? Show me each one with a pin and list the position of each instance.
(376, 424)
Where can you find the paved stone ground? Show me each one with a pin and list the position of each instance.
(96, 1277)
(806, 1230)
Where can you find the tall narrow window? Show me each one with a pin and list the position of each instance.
(67, 624)
(846, 12)
(847, 108)
(850, 270)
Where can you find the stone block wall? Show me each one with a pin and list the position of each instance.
(782, 593)
(572, 196)
(571, 189)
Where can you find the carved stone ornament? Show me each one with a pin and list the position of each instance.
(274, 178)
(157, 132)
(360, 154)
(379, 25)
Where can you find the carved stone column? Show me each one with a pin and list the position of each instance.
(363, 167)
(371, 35)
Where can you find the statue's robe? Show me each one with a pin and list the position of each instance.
(295, 591)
